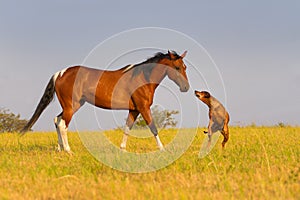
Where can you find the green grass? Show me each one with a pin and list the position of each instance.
(258, 163)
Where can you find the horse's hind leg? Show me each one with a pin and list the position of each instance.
(62, 127)
(70, 106)
(60, 142)
(129, 123)
(62, 124)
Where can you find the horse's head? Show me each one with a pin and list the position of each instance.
(176, 70)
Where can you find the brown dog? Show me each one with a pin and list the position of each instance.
(218, 116)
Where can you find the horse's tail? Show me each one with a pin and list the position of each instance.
(44, 102)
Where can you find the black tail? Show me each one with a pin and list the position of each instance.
(44, 102)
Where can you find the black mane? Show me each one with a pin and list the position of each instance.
(147, 66)
(158, 56)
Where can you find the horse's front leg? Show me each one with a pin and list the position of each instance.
(155, 133)
(148, 118)
(132, 115)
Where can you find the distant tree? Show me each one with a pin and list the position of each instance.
(162, 118)
(9, 122)
(253, 125)
(281, 124)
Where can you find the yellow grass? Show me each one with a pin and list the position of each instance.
(258, 163)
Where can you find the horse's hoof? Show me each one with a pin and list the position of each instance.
(123, 149)
(162, 149)
(71, 153)
(58, 149)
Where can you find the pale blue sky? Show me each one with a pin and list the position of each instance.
(255, 44)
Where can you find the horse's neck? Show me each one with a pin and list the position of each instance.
(158, 74)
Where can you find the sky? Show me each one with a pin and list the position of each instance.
(247, 55)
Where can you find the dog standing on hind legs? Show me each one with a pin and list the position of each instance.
(218, 116)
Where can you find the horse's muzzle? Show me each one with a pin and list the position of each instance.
(185, 88)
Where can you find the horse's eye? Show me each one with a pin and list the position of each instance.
(177, 68)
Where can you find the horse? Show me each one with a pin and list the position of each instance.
(129, 88)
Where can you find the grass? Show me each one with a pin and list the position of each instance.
(258, 163)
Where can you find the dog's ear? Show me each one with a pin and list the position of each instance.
(206, 94)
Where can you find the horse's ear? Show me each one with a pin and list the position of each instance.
(184, 54)
(172, 57)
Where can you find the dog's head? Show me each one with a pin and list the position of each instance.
(204, 96)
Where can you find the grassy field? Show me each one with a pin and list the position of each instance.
(258, 163)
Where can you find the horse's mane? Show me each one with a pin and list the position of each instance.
(147, 66)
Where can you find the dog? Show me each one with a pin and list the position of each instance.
(218, 116)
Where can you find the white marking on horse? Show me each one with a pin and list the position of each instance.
(159, 144)
(59, 74)
(62, 134)
(125, 137)
(63, 71)
(60, 146)
(128, 68)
